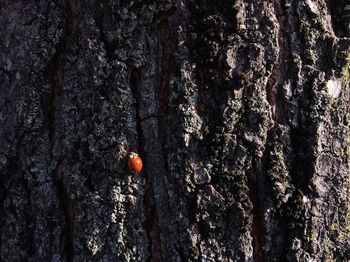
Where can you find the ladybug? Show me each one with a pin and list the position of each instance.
(135, 163)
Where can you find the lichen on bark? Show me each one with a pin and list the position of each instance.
(239, 109)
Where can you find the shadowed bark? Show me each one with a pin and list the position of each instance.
(239, 110)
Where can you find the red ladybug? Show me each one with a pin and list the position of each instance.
(135, 163)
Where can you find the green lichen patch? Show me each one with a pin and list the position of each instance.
(345, 74)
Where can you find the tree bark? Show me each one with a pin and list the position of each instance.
(239, 110)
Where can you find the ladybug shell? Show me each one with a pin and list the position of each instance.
(135, 163)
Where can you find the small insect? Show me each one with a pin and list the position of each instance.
(135, 163)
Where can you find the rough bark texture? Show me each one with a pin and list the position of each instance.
(239, 109)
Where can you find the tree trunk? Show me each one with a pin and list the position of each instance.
(239, 110)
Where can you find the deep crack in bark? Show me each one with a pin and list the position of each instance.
(68, 209)
(150, 221)
(257, 224)
(274, 78)
(57, 173)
